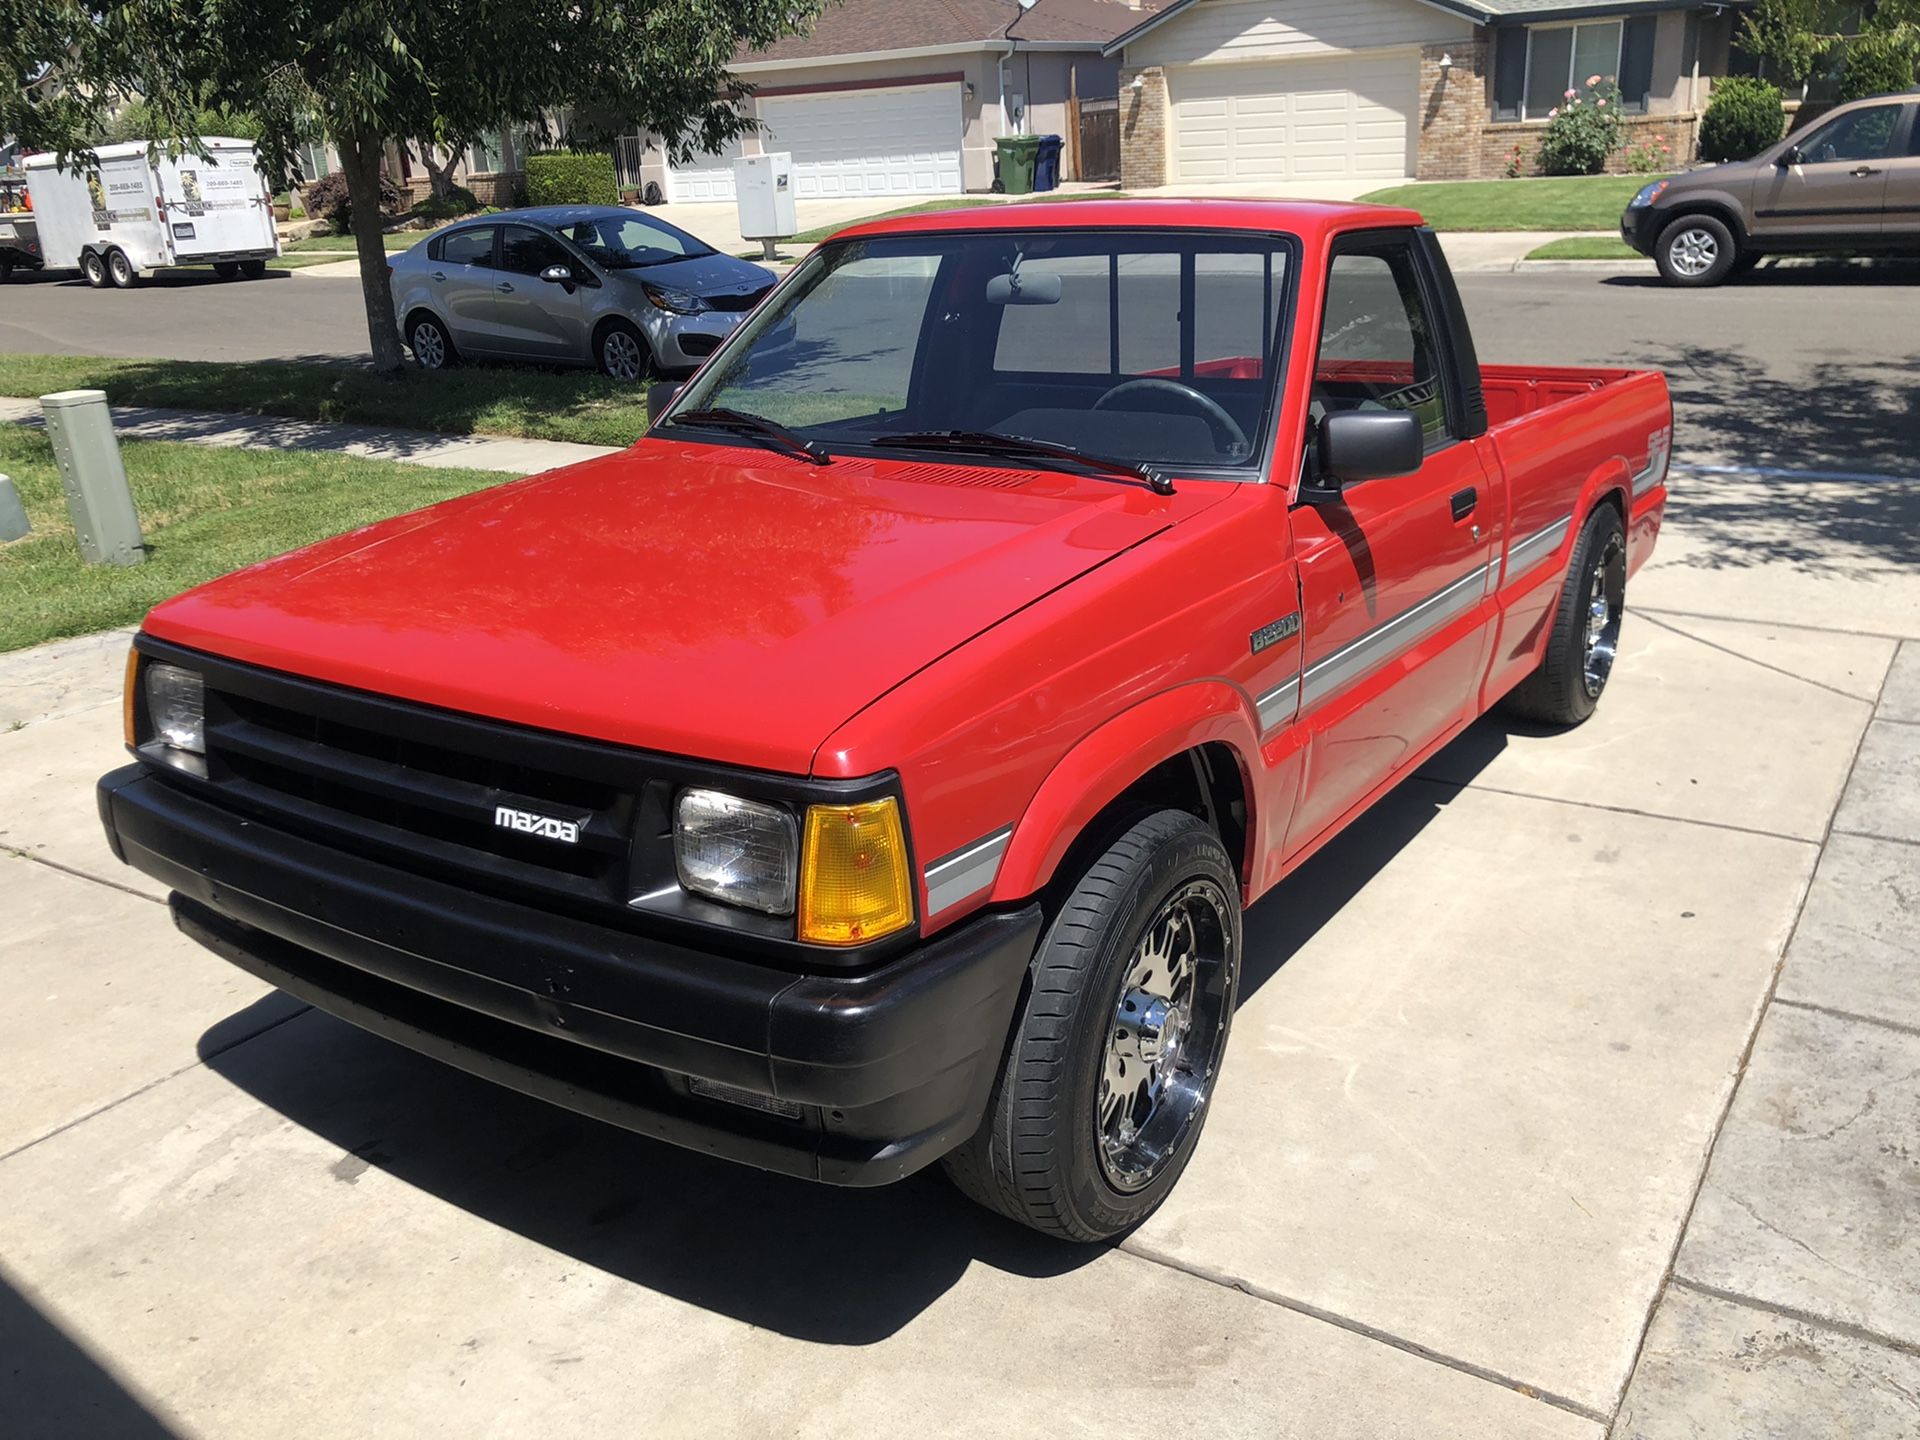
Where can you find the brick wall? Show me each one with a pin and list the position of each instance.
(1679, 133)
(502, 189)
(1453, 110)
(1143, 128)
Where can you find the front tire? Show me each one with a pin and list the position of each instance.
(1696, 250)
(1115, 1051)
(622, 353)
(1586, 628)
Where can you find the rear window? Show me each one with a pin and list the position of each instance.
(466, 247)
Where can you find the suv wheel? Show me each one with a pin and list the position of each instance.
(1696, 250)
(1115, 1051)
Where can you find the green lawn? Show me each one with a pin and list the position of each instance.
(1587, 247)
(204, 511)
(1586, 202)
(476, 400)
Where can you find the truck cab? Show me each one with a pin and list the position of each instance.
(872, 765)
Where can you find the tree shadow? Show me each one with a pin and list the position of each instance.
(52, 1388)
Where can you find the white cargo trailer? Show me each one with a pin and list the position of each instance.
(138, 210)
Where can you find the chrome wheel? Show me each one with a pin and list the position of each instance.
(429, 346)
(623, 356)
(1606, 592)
(1167, 1034)
(1693, 252)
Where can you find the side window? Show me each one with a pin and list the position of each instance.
(1863, 135)
(528, 252)
(468, 247)
(1913, 144)
(1378, 345)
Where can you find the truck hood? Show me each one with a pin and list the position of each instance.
(709, 600)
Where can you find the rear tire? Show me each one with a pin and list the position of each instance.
(1116, 1048)
(120, 270)
(432, 347)
(6, 268)
(1586, 628)
(1695, 250)
(93, 269)
(252, 269)
(227, 269)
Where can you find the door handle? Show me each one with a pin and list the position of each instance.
(504, 288)
(1464, 502)
(1862, 172)
(439, 274)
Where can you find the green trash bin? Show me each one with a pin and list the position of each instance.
(1017, 156)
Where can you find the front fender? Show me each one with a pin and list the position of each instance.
(1103, 764)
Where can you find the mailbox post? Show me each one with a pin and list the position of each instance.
(104, 520)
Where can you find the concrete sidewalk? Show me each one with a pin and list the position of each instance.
(372, 442)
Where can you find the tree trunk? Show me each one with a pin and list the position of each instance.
(360, 154)
(440, 177)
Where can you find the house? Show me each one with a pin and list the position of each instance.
(906, 97)
(1258, 92)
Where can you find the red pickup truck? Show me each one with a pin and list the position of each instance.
(872, 764)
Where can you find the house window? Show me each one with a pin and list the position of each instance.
(1535, 65)
(484, 157)
(312, 159)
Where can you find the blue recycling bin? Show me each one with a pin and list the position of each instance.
(1046, 165)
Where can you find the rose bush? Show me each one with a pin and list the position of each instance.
(1584, 130)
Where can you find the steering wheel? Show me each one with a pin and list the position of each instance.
(1218, 420)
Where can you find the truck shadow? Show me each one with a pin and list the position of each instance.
(831, 1266)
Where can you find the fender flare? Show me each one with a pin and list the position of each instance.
(1104, 763)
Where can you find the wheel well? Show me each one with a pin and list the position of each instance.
(1612, 499)
(607, 323)
(421, 312)
(1206, 781)
(1725, 214)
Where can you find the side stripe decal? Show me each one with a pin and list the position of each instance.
(1526, 553)
(1354, 659)
(967, 871)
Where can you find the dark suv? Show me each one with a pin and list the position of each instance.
(1850, 181)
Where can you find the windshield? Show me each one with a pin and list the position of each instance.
(1155, 348)
(620, 242)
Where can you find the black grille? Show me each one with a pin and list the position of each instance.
(744, 300)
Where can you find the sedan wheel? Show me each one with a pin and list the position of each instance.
(623, 354)
(431, 348)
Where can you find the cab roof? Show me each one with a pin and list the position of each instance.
(1306, 218)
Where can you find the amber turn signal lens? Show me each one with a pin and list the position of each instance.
(129, 694)
(854, 882)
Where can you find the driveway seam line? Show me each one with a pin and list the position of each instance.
(1869, 835)
(1794, 1313)
(1367, 1332)
(1618, 809)
(1673, 629)
(1671, 1272)
(154, 1084)
(1780, 624)
(33, 859)
(1899, 1027)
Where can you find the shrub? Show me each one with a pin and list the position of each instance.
(1879, 64)
(456, 202)
(1743, 118)
(1583, 131)
(327, 198)
(1650, 156)
(567, 177)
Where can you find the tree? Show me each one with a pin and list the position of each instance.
(1796, 36)
(366, 72)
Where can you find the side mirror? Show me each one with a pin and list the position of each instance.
(557, 275)
(1793, 155)
(660, 395)
(1360, 445)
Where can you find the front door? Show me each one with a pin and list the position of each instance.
(1900, 224)
(1393, 573)
(1832, 186)
(539, 319)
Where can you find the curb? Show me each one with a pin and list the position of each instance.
(1582, 267)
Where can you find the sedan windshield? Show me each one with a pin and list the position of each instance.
(620, 242)
(1156, 349)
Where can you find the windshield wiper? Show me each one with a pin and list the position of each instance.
(740, 422)
(995, 442)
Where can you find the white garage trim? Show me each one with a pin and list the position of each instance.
(880, 140)
(1326, 118)
(709, 177)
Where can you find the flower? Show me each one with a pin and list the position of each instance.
(1554, 114)
(1592, 80)
(1571, 93)
(1601, 103)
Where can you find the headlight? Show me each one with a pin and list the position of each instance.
(1648, 194)
(855, 883)
(736, 851)
(680, 302)
(177, 706)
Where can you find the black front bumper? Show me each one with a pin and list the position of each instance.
(1640, 227)
(851, 1080)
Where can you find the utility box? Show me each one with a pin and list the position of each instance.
(104, 520)
(763, 186)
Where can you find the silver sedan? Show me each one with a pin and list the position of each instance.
(571, 285)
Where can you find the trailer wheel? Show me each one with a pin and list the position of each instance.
(252, 269)
(1117, 1045)
(1586, 628)
(93, 268)
(120, 270)
(227, 269)
(6, 268)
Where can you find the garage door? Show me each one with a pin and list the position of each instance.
(709, 177)
(1299, 120)
(898, 141)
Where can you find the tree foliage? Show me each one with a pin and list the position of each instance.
(368, 71)
(1796, 37)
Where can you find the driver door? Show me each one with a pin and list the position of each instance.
(535, 318)
(1838, 189)
(1394, 573)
